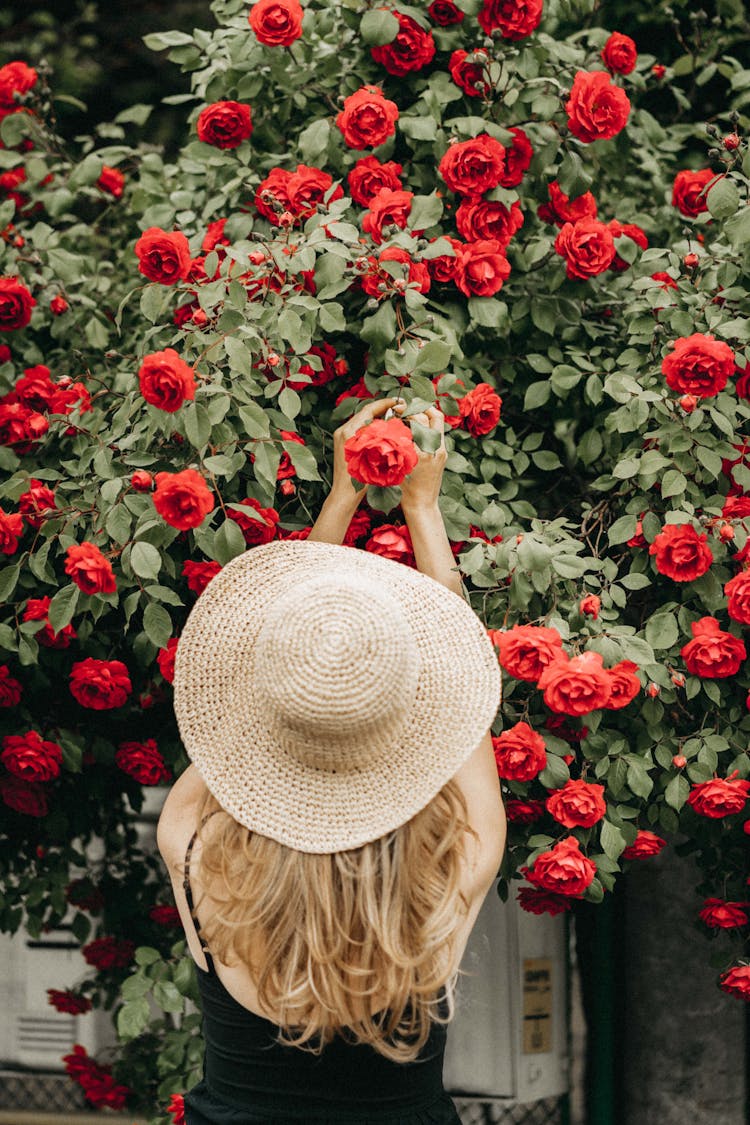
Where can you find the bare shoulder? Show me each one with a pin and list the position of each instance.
(179, 815)
(479, 783)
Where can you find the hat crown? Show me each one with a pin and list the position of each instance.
(337, 668)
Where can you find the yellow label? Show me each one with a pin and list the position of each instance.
(537, 1005)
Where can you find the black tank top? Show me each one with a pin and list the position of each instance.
(249, 1077)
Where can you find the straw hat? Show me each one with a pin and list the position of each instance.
(326, 694)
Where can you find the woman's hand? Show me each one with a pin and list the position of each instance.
(421, 488)
(342, 488)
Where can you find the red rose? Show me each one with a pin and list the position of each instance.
(108, 953)
(37, 609)
(35, 387)
(182, 499)
(68, 1002)
(276, 23)
(368, 176)
(379, 283)
(526, 650)
(480, 410)
(736, 981)
(259, 529)
(520, 753)
(712, 653)
(578, 804)
(165, 659)
(645, 845)
(367, 118)
(577, 685)
(58, 305)
(620, 53)
(286, 469)
(15, 78)
(224, 124)
(624, 685)
(359, 526)
(143, 761)
(31, 757)
(681, 553)
(112, 181)
(163, 256)
(37, 503)
(631, 231)
(100, 684)
(16, 304)
(165, 915)
(176, 1109)
(392, 541)
(590, 605)
(742, 381)
(563, 869)
(141, 481)
(517, 158)
(215, 237)
(443, 268)
(596, 108)
(10, 688)
(524, 812)
(85, 895)
(199, 574)
(587, 246)
(478, 219)
(473, 167)
(536, 901)
(20, 426)
(412, 48)
(481, 268)
(561, 209)
(721, 915)
(272, 197)
(444, 13)
(24, 797)
(89, 569)
(469, 70)
(166, 380)
(515, 18)
(306, 188)
(11, 528)
(689, 191)
(737, 591)
(699, 365)
(719, 797)
(387, 207)
(382, 453)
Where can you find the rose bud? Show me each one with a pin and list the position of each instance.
(658, 70)
(726, 532)
(519, 538)
(688, 403)
(679, 761)
(678, 679)
(58, 305)
(731, 141)
(287, 488)
(690, 261)
(590, 606)
(273, 359)
(653, 690)
(141, 480)
(568, 758)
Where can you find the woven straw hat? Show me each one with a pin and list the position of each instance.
(326, 694)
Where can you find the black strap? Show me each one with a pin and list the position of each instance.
(189, 895)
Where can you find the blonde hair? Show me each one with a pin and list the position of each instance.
(379, 919)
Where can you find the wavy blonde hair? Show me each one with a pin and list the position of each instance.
(342, 927)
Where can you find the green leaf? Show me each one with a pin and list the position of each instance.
(426, 439)
(313, 140)
(723, 198)
(303, 459)
(168, 996)
(555, 773)
(197, 424)
(161, 40)
(622, 530)
(572, 176)
(677, 792)
(639, 782)
(157, 624)
(434, 356)
(229, 542)
(378, 27)
(426, 210)
(612, 840)
(146, 955)
(537, 394)
(737, 229)
(487, 311)
(380, 328)
(145, 560)
(8, 579)
(133, 1018)
(673, 483)
(662, 631)
(63, 606)
(255, 420)
(290, 402)
(118, 523)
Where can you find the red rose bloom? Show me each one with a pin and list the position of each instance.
(286, 469)
(721, 915)
(368, 176)
(587, 246)
(16, 304)
(89, 569)
(199, 574)
(108, 953)
(473, 167)
(31, 757)
(481, 268)
(182, 499)
(143, 761)
(689, 191)
(412, 48)
(563, 869)
(736, 981)
(276, 23)
(631, 231)
(520, 753)
(10, 688)
(16, 77)
(165, 659)
(224, 124)
(515, 18)
(35, 387)
(68, 1002)
(478, 219)
(699, 365)
(37, 609)
(719, 797)
(468, 70)
(166, 380)
(524, 812)
(20, 426)
(737, 591)
(620, 53)
(624, 685)
(536, 901)
(517, 158)
(359, 526)
(561, 209)
(444, 13)
(665, 279)
(100, 684)
(712, 653)
(392, 541)
(577, 685)
(387, 207)
(443, 268)
(645, 845)
(578, 804)
(163, 256)
(85, 895)
(590, 605)
(382, 453)
(480, 410)
(176, 1109)
(24, 797)
(596, 108)
(255, 530)
(272, 196)
(526, 650)
(165, 915)
(681, 553)
(11, 528)
(112, 181)
(368, 118)
(306, 188)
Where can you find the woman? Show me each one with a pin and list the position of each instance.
(341, 823)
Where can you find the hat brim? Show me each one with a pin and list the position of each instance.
(252, 777)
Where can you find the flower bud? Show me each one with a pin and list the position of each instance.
(199, 317)
(679, 761)
(688, 403)
(141, 480)
(287, 487)
(590, 606)
(714, 153)
(58, 305)
(653, 690)
(726, 532)
(658, 70)
(691, 260)
(273, 359)
(731, 142)
(678, 679)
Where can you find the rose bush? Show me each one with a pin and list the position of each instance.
(524, 243)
